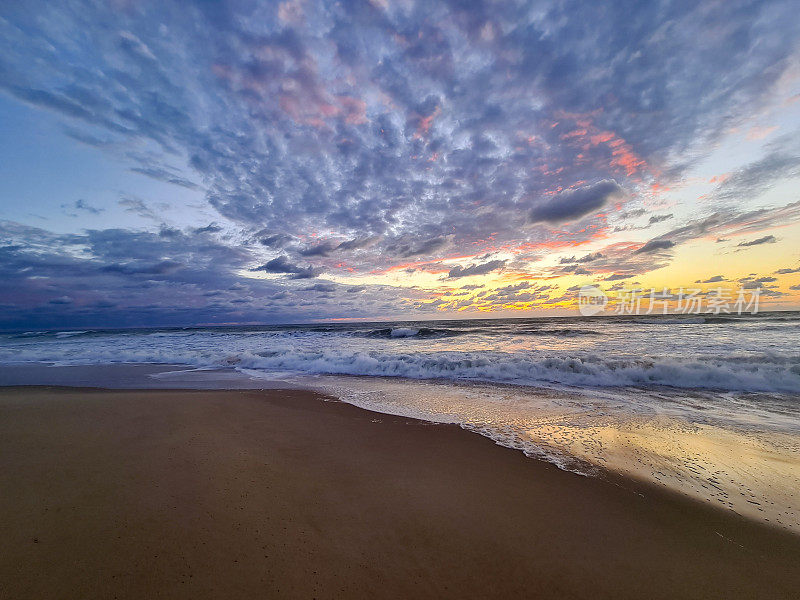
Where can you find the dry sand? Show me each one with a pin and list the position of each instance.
(264, 494)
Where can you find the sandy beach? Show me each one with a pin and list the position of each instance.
(254, 494)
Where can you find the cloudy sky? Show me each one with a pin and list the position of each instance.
(235, 162)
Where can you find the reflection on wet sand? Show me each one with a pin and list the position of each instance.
(748, 469)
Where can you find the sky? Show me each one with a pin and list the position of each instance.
(192, 163)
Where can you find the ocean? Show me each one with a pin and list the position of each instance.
(708, 405)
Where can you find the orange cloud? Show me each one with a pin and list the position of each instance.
(719, 178)
(759, 133)
(623, 156)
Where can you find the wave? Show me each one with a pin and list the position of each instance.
(566, 332)
(741, 375)
(443, 332)
(736, 372)
(69, 334)
(672, 321)
(47, 334)
(408, 332)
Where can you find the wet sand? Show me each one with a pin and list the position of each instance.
(254, 494)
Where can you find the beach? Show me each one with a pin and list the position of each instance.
(692, 404)
(286, 493)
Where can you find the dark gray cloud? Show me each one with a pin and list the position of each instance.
(281, 264)
(618, 277)
(210, 228)
(163, 267)
(654, 246)
(767, 239)
(275, 240)
(477, 269)
(322, 249)
(584, 259)
(573, 204)
(357, 243)
(119, 277)
(425, 247)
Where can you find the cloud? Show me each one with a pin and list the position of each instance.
(210, 228)
(117, 277)
(714, 279)
(787, 271)
(617, 277)
(321, 249)
(357, 243)
(659, 218)
(162, 267)
(425, 248)
(754, 179)
(408, 132)
(477, 269)
(84, 206)
(767, 239)
(573, 204)
(320, 287)
(584, 259)
(654, 246)
(162, 174)
(397, 136)
(281, 264)
(138, 207)
(275, 240)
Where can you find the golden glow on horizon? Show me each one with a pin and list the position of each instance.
(698, 260)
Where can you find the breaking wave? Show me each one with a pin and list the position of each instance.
(594, 371)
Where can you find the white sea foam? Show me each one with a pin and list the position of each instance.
(399, 332)
(68, 334)
(589, 370)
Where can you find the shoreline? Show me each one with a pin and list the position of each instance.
(189, 493)
(747, 471)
